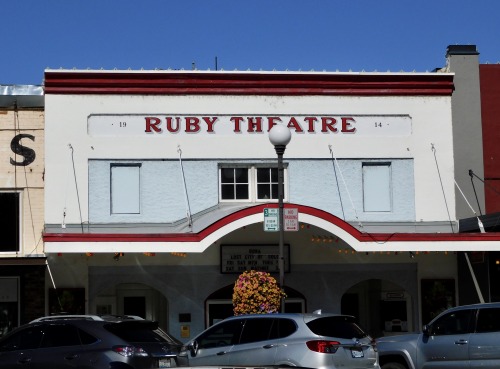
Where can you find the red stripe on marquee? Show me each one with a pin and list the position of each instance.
(197, 237)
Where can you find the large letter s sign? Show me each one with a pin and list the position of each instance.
(17, 148)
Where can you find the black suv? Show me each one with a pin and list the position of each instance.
(87, 341)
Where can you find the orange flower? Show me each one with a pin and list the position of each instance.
(256, 293)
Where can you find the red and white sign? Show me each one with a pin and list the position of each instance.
(291, 219)
(161, 125)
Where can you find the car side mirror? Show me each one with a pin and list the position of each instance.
(193, 348)
(426, 330)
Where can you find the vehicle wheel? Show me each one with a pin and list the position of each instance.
(393, 366)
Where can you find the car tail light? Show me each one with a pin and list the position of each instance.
(325, 347)
(374, 345)
(129, 351)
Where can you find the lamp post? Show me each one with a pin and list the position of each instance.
(280, 136)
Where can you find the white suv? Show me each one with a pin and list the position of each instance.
(326, 341)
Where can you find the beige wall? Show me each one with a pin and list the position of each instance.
(28, 180)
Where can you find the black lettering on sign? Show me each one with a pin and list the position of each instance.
(16, 147)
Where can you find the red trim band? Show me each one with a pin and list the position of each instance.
(224, 83)
(197, 237)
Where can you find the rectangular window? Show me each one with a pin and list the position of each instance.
(234, 184)
(10, 219)
(267, 183)
(125, 189)
(377, 187)
(249, 183)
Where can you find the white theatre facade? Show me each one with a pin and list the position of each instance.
(157, 184)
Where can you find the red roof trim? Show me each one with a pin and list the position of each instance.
(197, 237)
(223, 83)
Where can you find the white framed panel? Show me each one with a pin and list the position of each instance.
(125, 189)
(377, 188)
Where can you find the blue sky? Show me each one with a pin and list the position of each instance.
(294, 35)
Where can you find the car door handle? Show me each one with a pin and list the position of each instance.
(71, 357)
(25, 360)
(221, 353)
(269, 346)
(461, 342)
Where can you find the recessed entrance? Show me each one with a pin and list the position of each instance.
(381, 307)
(134, 299)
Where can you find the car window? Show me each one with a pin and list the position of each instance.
(168, 338)
(283, 328)
(24, 339)
(134, 331)
(488, 320)
(57, 335)
(336, 326)
(224, 334)
(86, 338)
(256, 329)
(456, 322)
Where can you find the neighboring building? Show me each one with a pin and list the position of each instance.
(157, 183)
(489, 75)
(476, 109)
(22, 261)
(463, 61)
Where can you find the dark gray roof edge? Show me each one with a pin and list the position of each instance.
(462, 50)
(21, 96)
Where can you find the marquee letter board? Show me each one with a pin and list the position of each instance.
(264, 258)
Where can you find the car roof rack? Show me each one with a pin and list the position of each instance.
(120, 318)
(67, 317)
(109, 317)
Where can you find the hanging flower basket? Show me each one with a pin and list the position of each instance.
(256, 293)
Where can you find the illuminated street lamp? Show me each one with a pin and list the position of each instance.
(280, 136)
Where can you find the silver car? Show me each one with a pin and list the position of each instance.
(326, 341)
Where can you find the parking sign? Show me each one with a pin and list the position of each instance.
(291, 219)
(271, 219)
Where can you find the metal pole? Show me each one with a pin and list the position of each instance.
(280, 150)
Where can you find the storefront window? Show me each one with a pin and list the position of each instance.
(9, 221)
(9, 304)
(438, 295)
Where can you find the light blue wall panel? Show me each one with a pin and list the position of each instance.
(162, 191)
(316, 183)
(339, 190)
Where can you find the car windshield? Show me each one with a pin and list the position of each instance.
(133, 331)
(336, 326)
